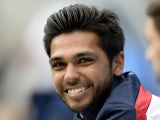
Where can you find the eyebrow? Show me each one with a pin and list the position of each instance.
(54, 59)
(82, 54)
(87, 53)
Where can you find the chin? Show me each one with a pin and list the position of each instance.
(78, 107)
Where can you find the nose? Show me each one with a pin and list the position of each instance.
(72, 75)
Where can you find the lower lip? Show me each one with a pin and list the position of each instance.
(80, 95)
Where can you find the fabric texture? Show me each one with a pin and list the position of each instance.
(127, 100)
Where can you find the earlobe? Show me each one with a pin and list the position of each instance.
(118, 64)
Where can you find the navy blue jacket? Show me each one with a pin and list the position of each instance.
(128, 100)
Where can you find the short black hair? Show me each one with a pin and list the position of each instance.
(153, 11)
(104, 23)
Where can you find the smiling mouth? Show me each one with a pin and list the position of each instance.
(76, 90)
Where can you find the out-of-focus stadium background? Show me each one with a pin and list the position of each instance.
(26, 88)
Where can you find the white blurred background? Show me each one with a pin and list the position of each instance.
(24, 68)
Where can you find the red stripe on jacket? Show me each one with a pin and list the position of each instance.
(142, 103)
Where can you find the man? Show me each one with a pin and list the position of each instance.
(152, 33)
(85, 47)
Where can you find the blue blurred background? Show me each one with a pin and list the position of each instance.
(26, 87)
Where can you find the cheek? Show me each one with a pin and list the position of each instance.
(102, 81)
(56, 77)
(158, 48)
(100, 76)
(157, 55)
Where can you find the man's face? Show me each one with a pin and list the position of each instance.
(153, 51)
(80, 69)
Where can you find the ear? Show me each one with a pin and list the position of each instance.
(118, 64)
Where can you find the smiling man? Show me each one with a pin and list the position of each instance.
(81, 72)
(85, 47)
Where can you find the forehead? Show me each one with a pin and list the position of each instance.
(75, 37)
(74, 41)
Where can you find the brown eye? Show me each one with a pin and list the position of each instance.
(85, 61)
(58, 65)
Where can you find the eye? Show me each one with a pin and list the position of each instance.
(85, 61)
(58, 65)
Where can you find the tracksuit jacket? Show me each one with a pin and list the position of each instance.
(127, 100)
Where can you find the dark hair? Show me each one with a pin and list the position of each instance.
(154, 12)
(104, 23)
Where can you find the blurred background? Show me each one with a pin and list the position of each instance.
(26, 87)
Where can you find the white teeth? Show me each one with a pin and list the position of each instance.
(77, 90)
